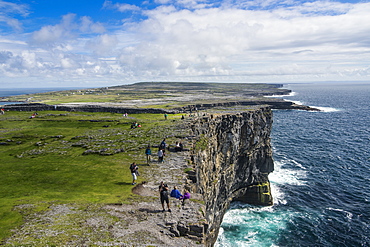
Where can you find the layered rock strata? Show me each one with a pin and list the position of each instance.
(232, 158)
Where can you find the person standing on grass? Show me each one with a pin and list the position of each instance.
(148, 153)
(134, 170)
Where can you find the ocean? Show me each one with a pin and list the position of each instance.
(321, 178)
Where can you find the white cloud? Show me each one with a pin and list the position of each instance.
(88, 26)
(319, 40)
(226, 40)
(50, 34)
(68, 28)
(121, 7)
(103, 44)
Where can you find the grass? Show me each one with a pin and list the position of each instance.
(42, 159)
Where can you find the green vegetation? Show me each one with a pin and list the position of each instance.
(64, 157)
(202, 143)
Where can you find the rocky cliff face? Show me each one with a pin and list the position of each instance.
(233, 158)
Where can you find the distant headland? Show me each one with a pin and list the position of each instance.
(162, 96)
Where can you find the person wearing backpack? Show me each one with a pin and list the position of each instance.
(134, 171)
(163, 193)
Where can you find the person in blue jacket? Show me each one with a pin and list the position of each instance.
(176, 193)
(148, 153)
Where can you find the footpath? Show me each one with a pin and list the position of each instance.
(148, 225)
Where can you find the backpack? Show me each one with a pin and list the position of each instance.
(164, 191)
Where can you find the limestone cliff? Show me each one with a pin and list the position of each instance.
(233, 158)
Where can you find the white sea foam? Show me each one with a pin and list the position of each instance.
(326, 108)
(280, 96)
(349, 215)
(277, 194)
(282, 175)
(298, 164)
(321, 108)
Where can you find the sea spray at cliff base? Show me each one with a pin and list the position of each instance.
(321, 174)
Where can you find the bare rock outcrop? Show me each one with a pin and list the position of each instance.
(233, 158)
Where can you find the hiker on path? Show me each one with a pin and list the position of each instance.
(163, 193)
(160, 155)
(163, 144)
(134, 171)
(148, 153)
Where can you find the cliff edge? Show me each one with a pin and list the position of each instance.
(227, 157)
(232, 157)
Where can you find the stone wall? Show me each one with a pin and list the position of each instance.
(233, 158)
(82, 108)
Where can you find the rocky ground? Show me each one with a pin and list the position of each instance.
(139, 224)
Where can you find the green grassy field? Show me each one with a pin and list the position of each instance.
(65, 157)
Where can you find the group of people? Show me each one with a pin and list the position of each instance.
(34, 115)
(148, 153)
(164, 192)
(163, 188)
(164, 195)
(161, 151)
(135, 125)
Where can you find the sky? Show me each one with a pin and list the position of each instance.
(96, 43)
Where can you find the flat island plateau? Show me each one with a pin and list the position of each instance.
(227, 156)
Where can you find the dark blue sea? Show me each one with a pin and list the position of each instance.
(321, 179)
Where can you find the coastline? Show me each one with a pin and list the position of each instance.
(213, 189)
(143, 221)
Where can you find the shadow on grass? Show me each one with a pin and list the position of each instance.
(122, 183)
